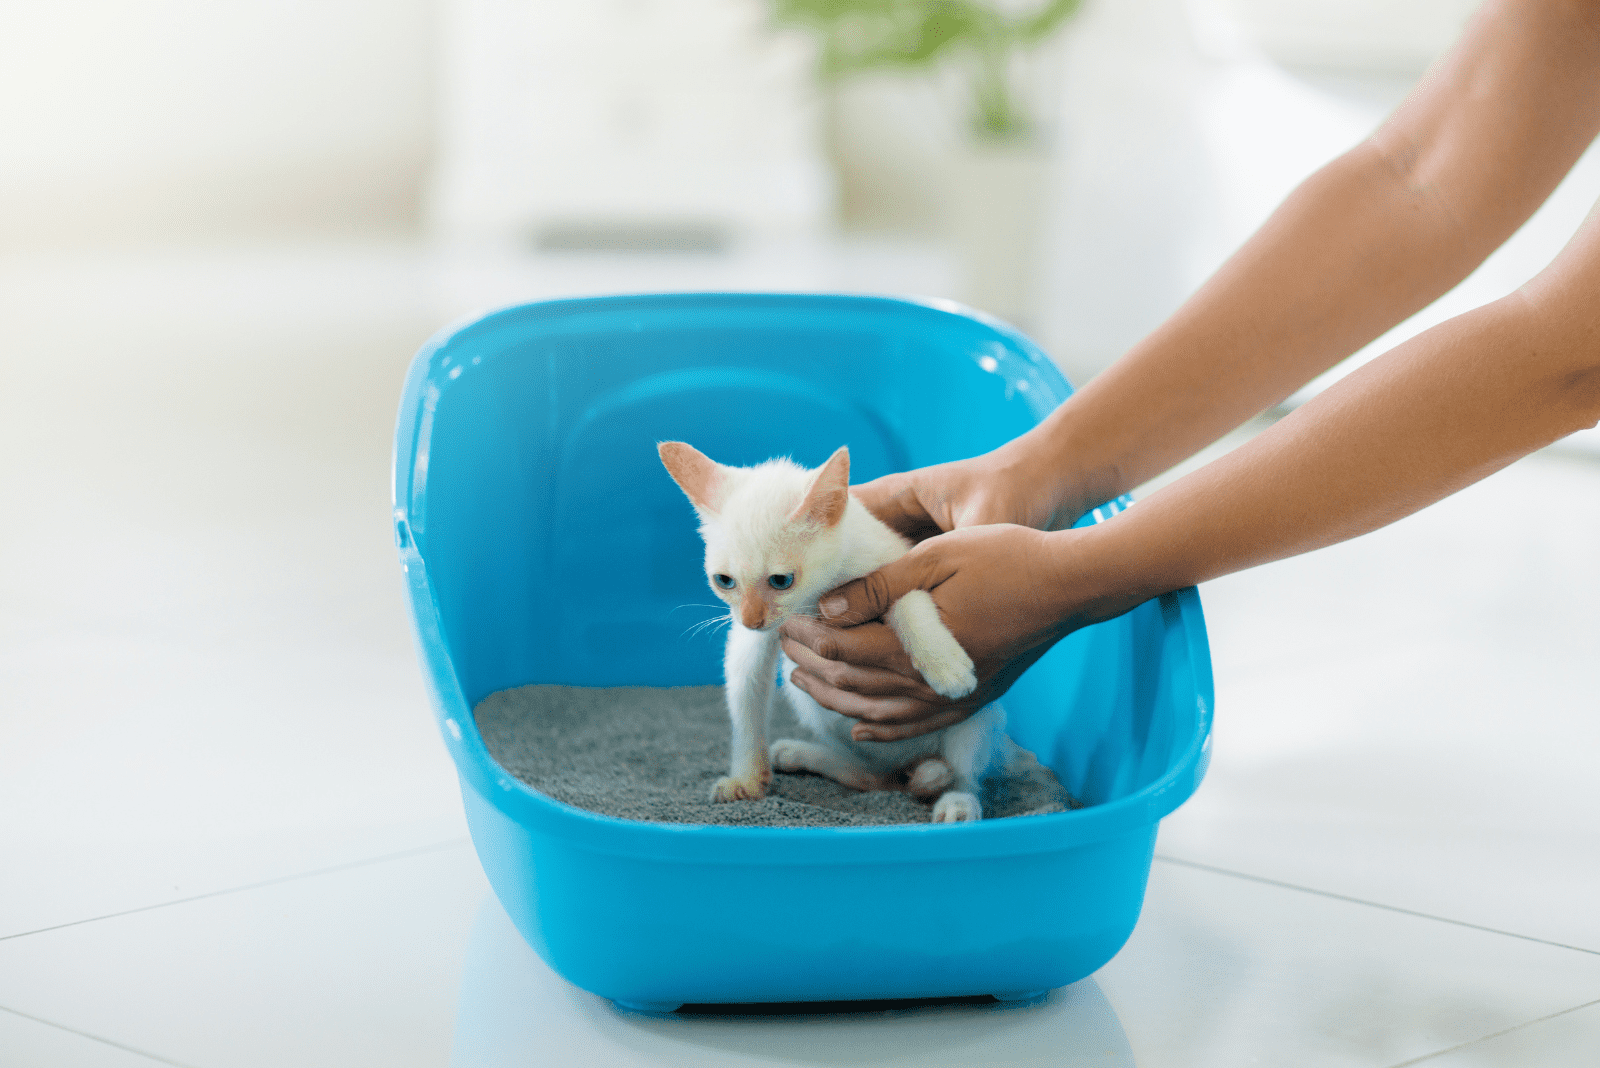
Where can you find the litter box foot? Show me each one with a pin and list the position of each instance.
(1019, 996)
(647, 1006)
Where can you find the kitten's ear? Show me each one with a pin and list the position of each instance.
(829, 492)
(700, 477)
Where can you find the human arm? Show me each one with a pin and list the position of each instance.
(1439, 412)
(1367, 241)
(1371, 238)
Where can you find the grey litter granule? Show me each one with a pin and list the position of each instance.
(650, 753)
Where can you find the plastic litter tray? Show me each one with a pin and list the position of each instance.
(543, 543)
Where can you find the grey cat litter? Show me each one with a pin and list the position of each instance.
(647, 753)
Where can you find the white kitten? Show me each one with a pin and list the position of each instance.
(777, 538)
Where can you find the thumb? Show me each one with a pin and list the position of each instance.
(877, 495)
(869, 597)
(893, 499)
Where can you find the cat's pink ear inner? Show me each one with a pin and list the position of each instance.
(699, 476)
(829, 493)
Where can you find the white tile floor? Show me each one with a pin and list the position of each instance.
(230, 837)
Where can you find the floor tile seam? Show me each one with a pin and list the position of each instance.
(95, 1038)
(384, 859)
(1263, 880)
(1498, 1034)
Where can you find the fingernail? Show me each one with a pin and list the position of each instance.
(833, 606)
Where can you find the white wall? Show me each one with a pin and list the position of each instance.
(625, 113)
(1368, 35)
(1185, 133)
(125, 119)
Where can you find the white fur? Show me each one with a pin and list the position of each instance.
(749, 522)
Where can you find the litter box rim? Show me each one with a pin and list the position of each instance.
(429, 376)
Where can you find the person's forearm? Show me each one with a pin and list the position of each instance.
(1367, 241)
(1272, 318)
(1438, 413)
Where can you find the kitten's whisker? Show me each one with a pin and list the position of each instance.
(695, 629)
(717, 624)
(809, 615)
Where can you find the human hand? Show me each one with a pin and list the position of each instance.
(1003, 592)
(1008, 485)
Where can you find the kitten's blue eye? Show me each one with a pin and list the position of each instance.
(780, 582)
(724, 582)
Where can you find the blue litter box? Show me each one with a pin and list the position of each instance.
(543, 543)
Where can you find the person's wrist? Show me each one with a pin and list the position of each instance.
(1040, 472)
(1070, 464)
(1091, 576)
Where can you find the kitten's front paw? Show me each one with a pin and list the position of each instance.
(948, 676)
(935, 653)
(729, 788)
(956, 807)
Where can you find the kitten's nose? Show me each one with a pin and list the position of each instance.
(752, 613)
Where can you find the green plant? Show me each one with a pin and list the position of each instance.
(868, 35)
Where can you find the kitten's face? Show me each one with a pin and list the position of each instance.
(767, 577)
(771, 531)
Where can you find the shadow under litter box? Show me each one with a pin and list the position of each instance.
(652, 753)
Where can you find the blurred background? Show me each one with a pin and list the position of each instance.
(535, 147)
(527, 148)
(512, 150)
(226, 227)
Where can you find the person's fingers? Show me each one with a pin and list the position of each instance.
(869, 597)
(872, 645)
(884, 732)
(894, 500)
(876, 710)
(843, 675)
(880, 498)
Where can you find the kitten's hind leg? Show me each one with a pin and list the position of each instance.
(789, 754)
(957, 806)
(929, 779)
(971, 749)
